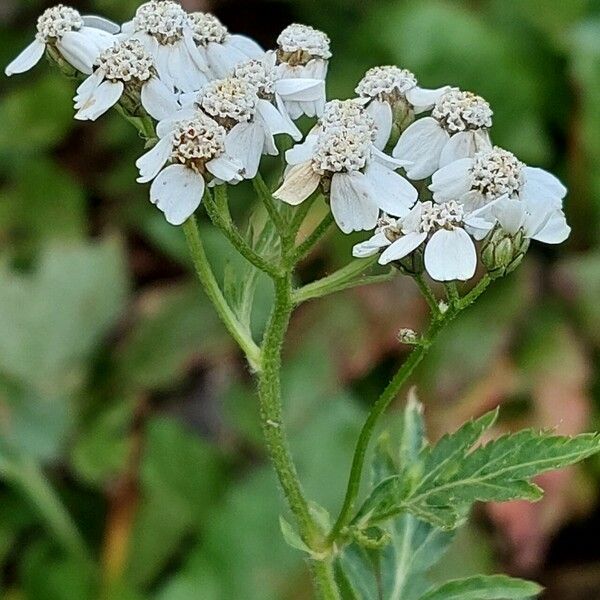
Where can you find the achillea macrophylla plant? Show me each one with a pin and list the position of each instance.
(417, 171)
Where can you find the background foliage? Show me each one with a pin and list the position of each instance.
(118, 382)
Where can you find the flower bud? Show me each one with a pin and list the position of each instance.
(502, 252)
(403, 115)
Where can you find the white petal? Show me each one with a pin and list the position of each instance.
(393, 194)
(225, 168)
(103, 98)
(78, 50)
(246, 45)
(159, 101)
(384, 159)
(382, 115)
(185, 72)
(420, 147)
(452, 181)
(510, 214)
(300, 90)
(28, 58)
(302, 152)
(222, 58)
(402, 247)
(87, 88)
(555, 231)
(450, 255)
(272, 118)
(101, 23)
(245, 143)
(371, 246)
(291, 128)
(150, 164)
(423, 99)
(352, 205)
(541, 188)
(162, 59)
(464, 145)
(177, 191)
(412, 221)
(299, 183)
(166, 126)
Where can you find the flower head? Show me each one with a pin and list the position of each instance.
(126, 62)
(194, 148)
(54, 22)
(207, 28)
(197, 140)
(230, 100)
(340, 157)
(78, 40)
(162, 19)
(443, 230)
(386, 83)
(457, 128)
(258, 74)
(298, 44)
(460, 111)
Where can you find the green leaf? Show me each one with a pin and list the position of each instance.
(290, 535)
(358, 573)
(491, 587)
(452, 475)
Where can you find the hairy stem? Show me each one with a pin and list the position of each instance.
(348, 276)
(324, 577)
(269, 388)
(388, 395)
(211, 287)
(229, 230)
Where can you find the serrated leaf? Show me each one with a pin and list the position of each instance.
(453, 475)
(491, 587)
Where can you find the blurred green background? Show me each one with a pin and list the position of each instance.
(120, 389)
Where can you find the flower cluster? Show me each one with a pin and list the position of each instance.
(218, 101)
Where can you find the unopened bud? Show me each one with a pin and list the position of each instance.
(502, 252)
(408, 336)
(402, 116)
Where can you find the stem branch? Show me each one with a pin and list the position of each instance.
(239, 333)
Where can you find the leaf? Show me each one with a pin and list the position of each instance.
(452, 475)
(290, 535)
(491, 587)
(358, 572)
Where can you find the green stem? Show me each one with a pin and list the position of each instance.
(239, 333)
(380, 406)
(324, 576)
(269, 388)
(313, 239)
(28, 476)
(339, 280)
(225, 224)
(427, 294)
(266, 196)
(300, 214)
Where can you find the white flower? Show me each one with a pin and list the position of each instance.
(457, 128)
(219, 49)
(512, 215)
(124, 68)
(480, 181)
(78, 39)
(251, 121)
(195, 150)
(165, 30)
(339, 155)
(384, 88)
(303, 53)
(450, 252)
(263, 76)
